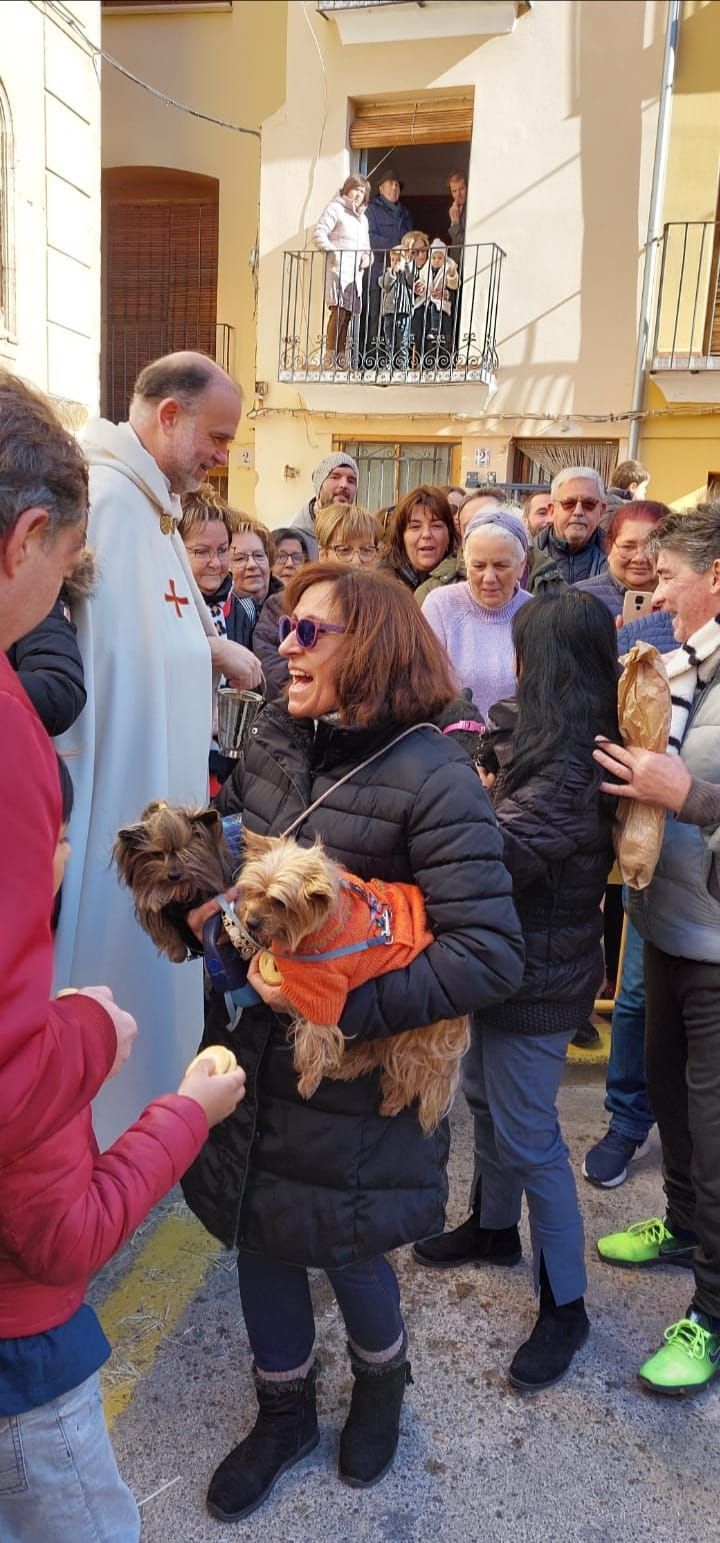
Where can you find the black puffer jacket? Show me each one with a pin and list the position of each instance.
(50, 666)
(558, 847)
(328, 1181)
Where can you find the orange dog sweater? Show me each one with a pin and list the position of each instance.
(388, 919)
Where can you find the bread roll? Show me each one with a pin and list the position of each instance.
(271, 975)
(222, 1060)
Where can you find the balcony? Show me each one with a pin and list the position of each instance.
(399, 21)
(448, 336)
(686, 344)
(128, 346)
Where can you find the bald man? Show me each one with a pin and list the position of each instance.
(149, 647)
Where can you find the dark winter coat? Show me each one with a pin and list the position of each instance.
(265, 647)
(551, 560)
(557, 838)
(49, 664)
(328, 1180)
(387, 223)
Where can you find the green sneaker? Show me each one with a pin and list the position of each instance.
(649, 1242)
(687, 1360)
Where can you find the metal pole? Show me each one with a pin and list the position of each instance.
(654, 230)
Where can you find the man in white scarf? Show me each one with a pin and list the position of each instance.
(149, 650)
(678, 915)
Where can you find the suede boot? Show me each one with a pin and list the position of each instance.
(546, 1356)
(285, 1431)
(370, 1435)
(470, 1244)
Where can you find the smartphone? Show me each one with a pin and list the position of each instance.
(637, 602)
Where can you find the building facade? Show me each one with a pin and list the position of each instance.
(549, 111)
(50, 200)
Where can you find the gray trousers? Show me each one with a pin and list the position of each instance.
(510, 1082)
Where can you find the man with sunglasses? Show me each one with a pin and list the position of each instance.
(570, 547)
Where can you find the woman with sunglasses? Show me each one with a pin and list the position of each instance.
(328, 1182)
(571, 545)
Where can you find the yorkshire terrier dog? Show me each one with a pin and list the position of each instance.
(320, 932)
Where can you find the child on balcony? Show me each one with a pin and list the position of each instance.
(443, 282)
(396, 307)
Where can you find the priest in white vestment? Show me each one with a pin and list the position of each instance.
(148, 645)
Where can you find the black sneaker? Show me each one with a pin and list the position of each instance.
(470, 1244)
(606, 1164)
(586, 1037)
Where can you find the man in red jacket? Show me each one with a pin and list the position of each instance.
(64, 1207)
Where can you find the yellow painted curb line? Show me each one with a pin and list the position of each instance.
(143, 1310)
(596, 1056)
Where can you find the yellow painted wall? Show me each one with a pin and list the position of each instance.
(230, 64)
(681, 448)
(50, 86)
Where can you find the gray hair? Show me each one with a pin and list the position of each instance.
(694, 533)
(501, 522)
(41, 463)
(184, 375)
(570, 473)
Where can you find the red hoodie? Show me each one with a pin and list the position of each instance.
(64, 1207)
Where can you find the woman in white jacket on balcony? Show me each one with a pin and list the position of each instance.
(342, 232)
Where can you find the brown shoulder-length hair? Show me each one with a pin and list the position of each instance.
(394, 553)
(393, 667)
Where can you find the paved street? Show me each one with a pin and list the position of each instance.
(592, 1459)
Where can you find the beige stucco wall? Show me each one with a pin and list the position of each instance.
(682, 444)
(47, 73)
(563, 138)
(229, 64)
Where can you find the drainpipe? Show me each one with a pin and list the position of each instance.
(654, 230)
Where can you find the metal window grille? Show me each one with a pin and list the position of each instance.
(388, 470)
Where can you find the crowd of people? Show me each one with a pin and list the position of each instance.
(440, 711)
(399, 288)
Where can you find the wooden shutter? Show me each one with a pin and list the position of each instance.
(160, 286)
(429, 120)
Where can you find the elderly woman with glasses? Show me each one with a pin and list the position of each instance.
(473, 620)
(291, 551)
(207, 528)
(328, 1182)
(631, 563)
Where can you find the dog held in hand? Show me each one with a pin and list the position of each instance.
(320, 932)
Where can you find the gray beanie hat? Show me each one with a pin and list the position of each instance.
(338, 458)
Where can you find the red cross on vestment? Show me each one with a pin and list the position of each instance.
(175, 599)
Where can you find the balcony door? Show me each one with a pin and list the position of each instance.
(160, 270)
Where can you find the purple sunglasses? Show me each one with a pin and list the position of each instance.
(306, 630)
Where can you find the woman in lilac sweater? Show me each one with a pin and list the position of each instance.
(474, 620)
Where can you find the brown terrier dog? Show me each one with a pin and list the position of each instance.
(321, 932)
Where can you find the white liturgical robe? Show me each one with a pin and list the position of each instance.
(144, 734)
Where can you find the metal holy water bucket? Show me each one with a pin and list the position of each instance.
(237, 711)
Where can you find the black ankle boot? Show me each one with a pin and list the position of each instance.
(470, 1244)
(559, 1332)
(370, 1435)
(285, 1430)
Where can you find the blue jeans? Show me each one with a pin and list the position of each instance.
(510, 1082)
(278, 1312)
(626, 1097)
(396, 333)
(59, 1482)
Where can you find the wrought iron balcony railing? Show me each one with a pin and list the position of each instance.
(391, 320)
(687, 321)
(128, 346)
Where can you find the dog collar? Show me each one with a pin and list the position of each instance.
(236, 930)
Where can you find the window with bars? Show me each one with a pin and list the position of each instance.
(390, 469)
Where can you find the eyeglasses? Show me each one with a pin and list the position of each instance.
(367, 554)
(587, 504)
(282, 558)
(419, 249)
(241, 559)
(205, 554)
(632, 548)
(306, 630)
